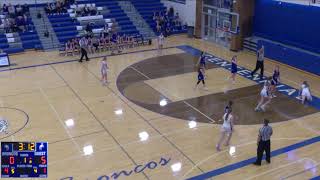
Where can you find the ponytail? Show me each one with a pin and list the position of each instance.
(228, 113)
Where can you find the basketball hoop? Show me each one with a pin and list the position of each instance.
(223, 32)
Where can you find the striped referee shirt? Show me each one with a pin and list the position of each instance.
(260, 56)
(265, 133)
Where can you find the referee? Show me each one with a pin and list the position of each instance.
(264, 142)
(259, 64)
(83, 46)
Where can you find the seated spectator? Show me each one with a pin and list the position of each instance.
(1, 25)
(93, 10)
(76, 46)
(25, 9)
(171, 12)
(69, 47)
(89, 27)
(158, 26)
(52, 8)
(13, 25)
(78, 11)
(20, 23)
(5, 9)
(12, 11)
(58, 7)
(177, 20)
(168, 29)
(106, 30)
(6, 25)
(106, 27)
(19, 10)
(95, 43)
(155, 16)
(86, 11)
(47, 8)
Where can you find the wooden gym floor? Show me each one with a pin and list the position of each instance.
(47, 97)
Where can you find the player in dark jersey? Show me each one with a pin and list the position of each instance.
(202, 62)
(274, 81)
(234, 68)
(201, 75)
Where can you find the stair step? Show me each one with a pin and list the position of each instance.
(42, 25)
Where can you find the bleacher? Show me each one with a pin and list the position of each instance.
(3, 42)
(64, 26)
(28, 39)
(146, 8)
(115, 12)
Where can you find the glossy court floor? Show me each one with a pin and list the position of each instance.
(149, 122)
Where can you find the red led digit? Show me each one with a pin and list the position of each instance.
(11, 160)
(43, 160)
(6, 170)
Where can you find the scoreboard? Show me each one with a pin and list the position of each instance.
(24, 159)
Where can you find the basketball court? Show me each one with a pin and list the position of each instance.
(149, 122)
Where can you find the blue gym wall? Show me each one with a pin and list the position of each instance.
(288, 23)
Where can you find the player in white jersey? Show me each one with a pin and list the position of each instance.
(305, 93)
(160, 40)
(104, 69)
(226, 129)
(265, 96)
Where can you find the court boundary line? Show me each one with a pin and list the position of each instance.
(144, 119)
(45, 96)
(281, 167)
(301, 172)
(286, 65)
(98, 121)
(244, 72)
(225, 64)
(188, 104)
(75, 60)
(315, 178)
(20, 129)
(247, 162)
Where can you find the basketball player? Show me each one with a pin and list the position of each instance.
(274, 82)
(234, 69)
(260, 63)
(104, 69)
(265, 96)
(226, 129)
(201, 78)
(202, 60)
(160, 43)
(304, 93)
(229, 106)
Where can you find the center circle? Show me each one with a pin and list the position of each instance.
(139, 83)
(16, 119)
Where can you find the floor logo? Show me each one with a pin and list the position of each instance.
(136, 170)
(4, 125)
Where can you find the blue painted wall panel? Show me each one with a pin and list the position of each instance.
(292, 57)
(292, 24)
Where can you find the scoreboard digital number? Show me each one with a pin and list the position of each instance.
(24, 159)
